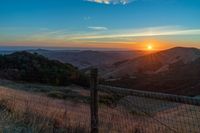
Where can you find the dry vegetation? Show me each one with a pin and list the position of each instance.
(159, 116)
(24, 112)
(55, 115)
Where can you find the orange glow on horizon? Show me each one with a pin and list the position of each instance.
(153, 45)
(147, 44)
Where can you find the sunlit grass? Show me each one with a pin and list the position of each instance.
(22, 111)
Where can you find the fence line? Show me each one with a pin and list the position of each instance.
(116, 110)
(152, 112)
(154, 95)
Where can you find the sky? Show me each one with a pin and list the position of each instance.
(125, 24)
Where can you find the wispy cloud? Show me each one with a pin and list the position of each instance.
(105, 36)
(124, 2)
(145, 32)
(97, 28)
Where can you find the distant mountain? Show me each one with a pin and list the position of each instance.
(88, 58)
(24, 66)
(154, 63)
(4, 52)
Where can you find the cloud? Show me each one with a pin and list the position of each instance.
(105, 36)
(145, 32)
(124, 2)
(97, 28)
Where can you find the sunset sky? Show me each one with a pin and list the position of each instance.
(128, 24)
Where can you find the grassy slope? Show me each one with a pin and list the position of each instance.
(68, 114)
(26, 107)
(72, 92)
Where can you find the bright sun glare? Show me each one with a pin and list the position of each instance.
(149, 47)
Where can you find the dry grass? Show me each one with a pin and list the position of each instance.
(159, 116)
(62, 114)
(23, 111)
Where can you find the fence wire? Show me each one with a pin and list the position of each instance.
(131, 111)
(120, 110)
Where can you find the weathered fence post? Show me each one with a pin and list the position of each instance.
(94, 100)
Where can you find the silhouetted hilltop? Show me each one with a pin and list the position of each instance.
(24, 66)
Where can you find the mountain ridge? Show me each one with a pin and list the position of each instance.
(154, 63)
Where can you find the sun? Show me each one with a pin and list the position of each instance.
(149, 47)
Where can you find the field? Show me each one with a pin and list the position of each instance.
(48, 109)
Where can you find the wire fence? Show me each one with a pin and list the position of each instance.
(132, 111)
(22, 112)
(111, 110)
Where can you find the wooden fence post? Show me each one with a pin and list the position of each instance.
(94, 100)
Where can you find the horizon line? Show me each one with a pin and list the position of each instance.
(21, 48)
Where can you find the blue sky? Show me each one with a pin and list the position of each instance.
(100, 23)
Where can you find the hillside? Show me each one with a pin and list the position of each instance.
(154, 63)
(24, 66)
(178, 80)
(181, 77)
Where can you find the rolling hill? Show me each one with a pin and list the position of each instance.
(154, 63)
(87, 58)
(174, 71)
(83, 58)
(24, 66)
